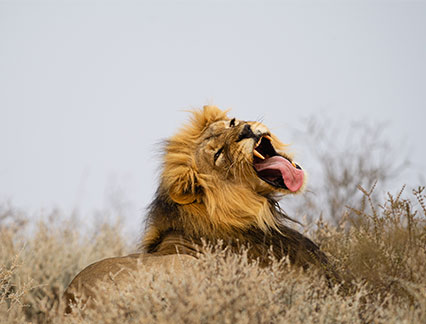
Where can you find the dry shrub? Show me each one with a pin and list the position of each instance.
(384, 245)
(36, 264)
(383, 252)
(339, 156)
(228, 288)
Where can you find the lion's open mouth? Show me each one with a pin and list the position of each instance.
(275, 169)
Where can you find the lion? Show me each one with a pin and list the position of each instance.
(221, 181)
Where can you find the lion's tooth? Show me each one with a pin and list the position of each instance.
(258, 142)
(258, 155)
(268, 137)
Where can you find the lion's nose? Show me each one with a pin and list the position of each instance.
(246, 133)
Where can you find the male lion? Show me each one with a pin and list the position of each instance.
(220, 181)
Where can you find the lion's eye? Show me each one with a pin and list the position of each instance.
(232, 122)
(217, 154)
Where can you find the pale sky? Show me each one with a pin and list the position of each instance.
(87, 88)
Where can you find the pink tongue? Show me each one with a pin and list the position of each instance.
(292, 177)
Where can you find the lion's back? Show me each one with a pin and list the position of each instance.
(118, 272)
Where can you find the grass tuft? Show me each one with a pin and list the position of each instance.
(379, 248)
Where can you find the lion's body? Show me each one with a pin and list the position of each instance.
(220, 182)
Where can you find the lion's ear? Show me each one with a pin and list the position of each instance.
(183, 187)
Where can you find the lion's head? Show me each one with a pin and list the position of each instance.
(221, 175)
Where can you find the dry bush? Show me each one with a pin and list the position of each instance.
(339, 156)
(385, 245)
(37, 264)
(383, 253)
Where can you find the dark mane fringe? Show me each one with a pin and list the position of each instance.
(282, 215)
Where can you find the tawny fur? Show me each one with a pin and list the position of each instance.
(209, 191)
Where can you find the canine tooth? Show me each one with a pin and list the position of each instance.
(258, 155)
(268, 137)
(294, 164)
(258, 142)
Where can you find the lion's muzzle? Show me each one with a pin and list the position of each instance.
(274, 168)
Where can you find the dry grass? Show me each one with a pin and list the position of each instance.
(382, 249)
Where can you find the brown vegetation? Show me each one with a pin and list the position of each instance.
(385, 251)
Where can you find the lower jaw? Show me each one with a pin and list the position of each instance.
(265, 189)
